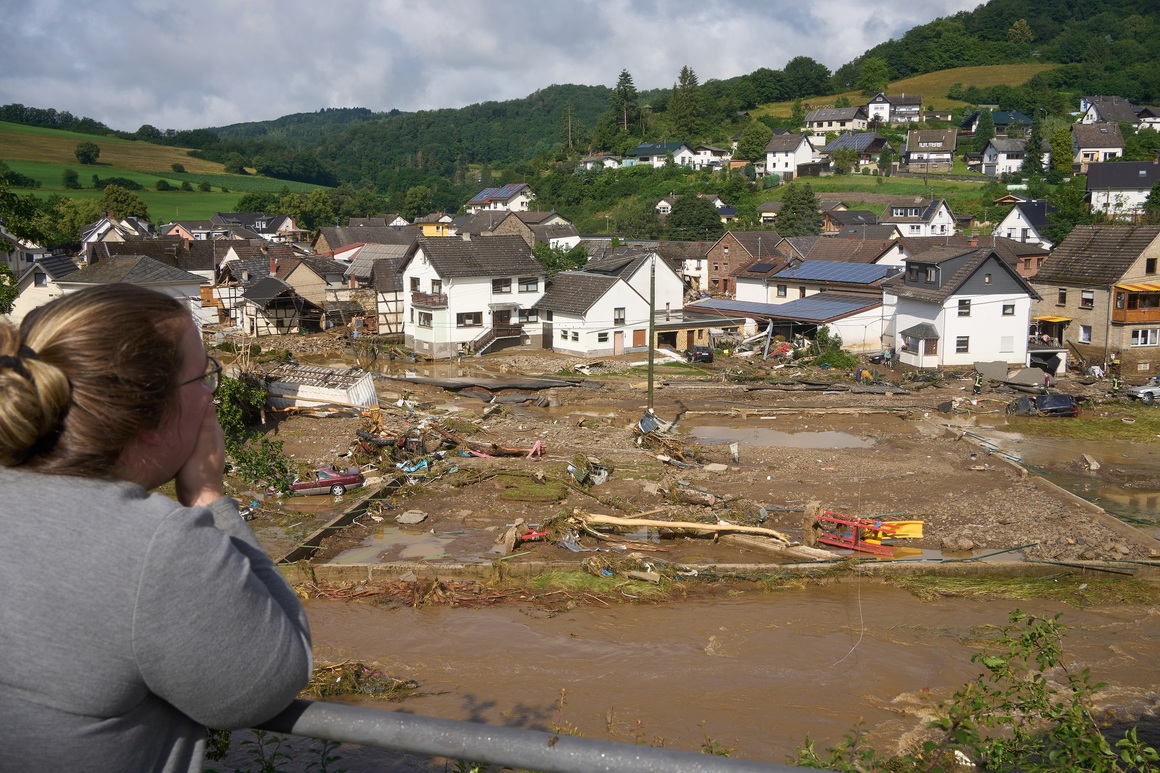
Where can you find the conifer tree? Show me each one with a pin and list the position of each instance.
(984, 130)
(799, 215)
(624, 102)
(1033, 155)
(683, 108)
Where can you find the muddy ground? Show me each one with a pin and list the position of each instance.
(886, 452)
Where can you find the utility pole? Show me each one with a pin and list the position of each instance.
(652, 316)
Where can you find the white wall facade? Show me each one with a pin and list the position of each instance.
(595, 334)
(781, 163)
(861, 332)
(990, 334)
(1015, 226)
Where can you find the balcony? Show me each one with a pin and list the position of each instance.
(1136, 316)
(1136, 303)
(429, 300)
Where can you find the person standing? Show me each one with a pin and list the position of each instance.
(130, 621)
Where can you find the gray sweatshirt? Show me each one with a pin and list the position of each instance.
(128, 622)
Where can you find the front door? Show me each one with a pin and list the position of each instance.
(502, 317)
(618, 342)
(546, 338)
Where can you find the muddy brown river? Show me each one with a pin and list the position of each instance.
(754, 672)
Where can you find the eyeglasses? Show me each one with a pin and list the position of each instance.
(212, 375)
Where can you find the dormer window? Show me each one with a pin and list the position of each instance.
(931, 274)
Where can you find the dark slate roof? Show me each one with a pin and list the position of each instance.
(1035, 211)
(1000, 117)
(340, 236)
(759, 244)
(929, 210)
(133, 269)
(770, 206)
(784, 143)
(1096, 254)
(261, 250)
(372, 254)
(858, 141)
(250, 220)
(837, 271)
(655, 148)
(836, 114)
(849, 250)
(799, 246)
(505, 193)
(1123, 175)
(482, 257)
(267, 289)
(853, 217)
(482, 222)
(923, 331)
(324, 267)
(56, 266)
(536, 217)
(904, 99)
(1097, 135)
(678, 252)
(386, 277)
(247, 272)
(1008, 144)
(546, 233)
(1115, 109)
(878, 232)
(976, 258)
(574, 292)
(618, 263)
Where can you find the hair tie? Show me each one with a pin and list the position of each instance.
(14, 363)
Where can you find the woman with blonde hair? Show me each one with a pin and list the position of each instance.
(130, 621)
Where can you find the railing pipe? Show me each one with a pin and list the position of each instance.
(490, 745)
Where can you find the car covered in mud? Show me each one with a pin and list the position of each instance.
(1147, 393)
(1044, 405)
(326, 480)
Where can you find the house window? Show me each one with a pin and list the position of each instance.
(529, 284)
(963, 345)
(915, 230)
(575, 336)
(1085, 334)
(1087, 299)
(965, 307)
(781, 291)
(725, 249)
(528, 315)
(1119, 300)
(425, 318)
(931, 275)
(501, 286)
(414, 284)
(563, 335)
(436, 286)
(912, 273)
(986, 279)
(618, 316)
(801, 292)
(40, 280)
(716, 266)
(469, 319)
(930, 346)
(1061, 299)
(1008, 309)
(724, 268)
(602, 338)
(548, 315)
(1150, 265)
(1149, 336)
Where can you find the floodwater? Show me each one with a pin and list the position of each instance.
(756, 673)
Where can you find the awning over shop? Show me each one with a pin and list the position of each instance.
(1140, 287)
(1049, 318)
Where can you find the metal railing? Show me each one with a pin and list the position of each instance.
(489, 745)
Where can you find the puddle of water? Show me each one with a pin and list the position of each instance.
(391, 543)
(760, 436)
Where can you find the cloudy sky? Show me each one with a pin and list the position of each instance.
(188, 65)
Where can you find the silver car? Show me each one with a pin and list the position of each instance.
(1147, 393)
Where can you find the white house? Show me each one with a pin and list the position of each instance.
(1026, 222)
(37, 285)
(656, 154)
(784, 153)
(466, 295)
(1101, 109)
(920, 217)
(954, 306)
(802, 280)
(20, 253)
(834, 119)
(1004, 155)
(515, 196)
(710, 157)
(1095, 143)
(894, 108)
(144, 271)
(1120, 189)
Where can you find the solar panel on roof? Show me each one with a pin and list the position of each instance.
(762, 267)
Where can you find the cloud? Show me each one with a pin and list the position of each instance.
(216, 62)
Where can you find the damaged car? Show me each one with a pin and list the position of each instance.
(327, 480)
(1147, 393)
(1044, 405)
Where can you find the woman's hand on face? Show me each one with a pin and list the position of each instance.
(199, 481)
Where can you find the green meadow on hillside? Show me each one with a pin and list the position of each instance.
(45, 154)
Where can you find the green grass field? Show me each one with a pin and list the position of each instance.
(45, 154)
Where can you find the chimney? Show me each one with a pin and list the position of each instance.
(273, 266)
(973, 241)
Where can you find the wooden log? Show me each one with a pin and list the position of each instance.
(612, 520)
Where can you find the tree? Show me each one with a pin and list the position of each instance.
(1033, 154)
(1061, 154)
(1020, 32)
(557, 259)
(873, 76)
(693, 218)
(70, 179)
(1069, 211)
(7, 289)
(683, 109)
(885, 160)
(87, 152)
(751, 144)
(418, 202)
(844, 159)
(123, 203)
(163, 185)
(624, 102)
(1152, 206)
(235, 163)
(205, 187)
(984, 130)
(807, 78)
(799, 215)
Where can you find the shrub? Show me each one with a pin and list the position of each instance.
(163, 185)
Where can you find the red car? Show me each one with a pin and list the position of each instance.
(328, 480)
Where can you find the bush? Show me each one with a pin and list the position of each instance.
(186, 186)
(163, 185)
(204, 186)
(178, 168)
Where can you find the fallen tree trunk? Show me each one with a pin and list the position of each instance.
(612, 520)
